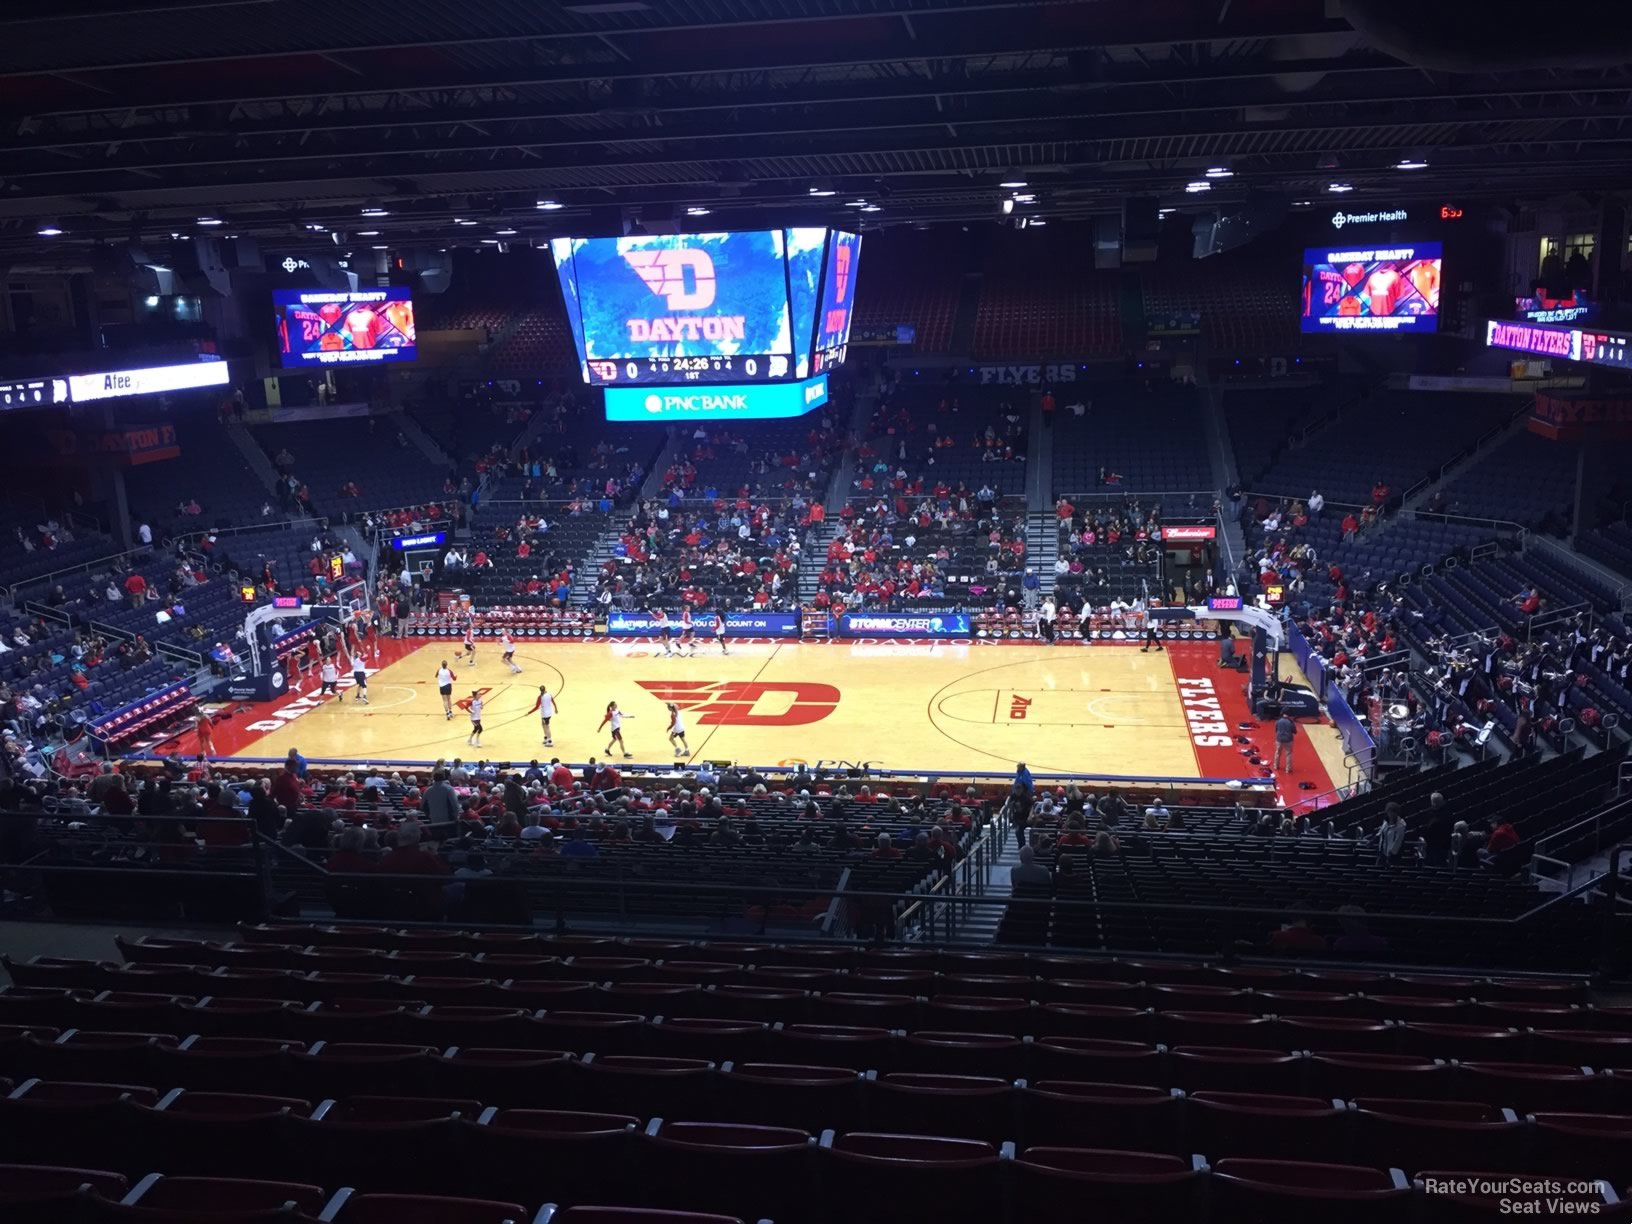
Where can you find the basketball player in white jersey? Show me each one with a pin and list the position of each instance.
(331, 678)
(719, 631)
(664, 631)
(688, 644)
(474, 739)
(359, 676)
(444, 685)
(470, 641)
(545, 705)
(509, 656)
(614, 717)
(677, 733)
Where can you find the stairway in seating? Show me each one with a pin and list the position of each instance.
(1043, 546)
(603, 550)
(811, 558)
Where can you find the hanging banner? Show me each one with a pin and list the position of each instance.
(125, 447)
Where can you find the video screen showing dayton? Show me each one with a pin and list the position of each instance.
(1392, 287)
(742, 307)
(320, 327)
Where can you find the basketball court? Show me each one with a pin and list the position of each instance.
(1105, 710)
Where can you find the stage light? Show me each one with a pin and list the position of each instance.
(1013, 184)
(1338, 188)
(49, 229)
(1410, 164)
(546, 206)
(1197, 187)
(209, 220)
(1220, 172)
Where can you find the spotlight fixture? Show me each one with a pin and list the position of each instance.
(490, 242)
(460, 221)
(1220, 172)
(314, 227)
(1411, 163)
(1197, 187)
(1166, 212)
(504, 233)
(374, 210)
(209, 220)
(49, 229)
(1036, 221)
(380, 247)
(1012, 183)
(695, 211)
(1025, 199)
(368, 233)
(1008, 207)
(549, 205)
(1338, 188)
(872, 208)
(821, 190)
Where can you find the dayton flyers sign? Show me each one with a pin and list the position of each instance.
(685, 280)
(738, 703)
(657, 296)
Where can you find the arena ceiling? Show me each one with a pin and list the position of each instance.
(286, 119)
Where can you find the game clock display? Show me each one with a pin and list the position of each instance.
(1392, 288)
(723, 308)
(317, 327)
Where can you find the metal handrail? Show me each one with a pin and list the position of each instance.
(1141, 495)
(84, 567)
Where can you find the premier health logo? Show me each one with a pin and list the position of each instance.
(1339, 220)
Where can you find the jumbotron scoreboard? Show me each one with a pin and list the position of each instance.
(737, 324)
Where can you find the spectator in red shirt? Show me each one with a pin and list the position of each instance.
(886, 848)
(136, 588)
(409, 858)
(286, 790)
(1296, 937)
(1503, 837)
(349, 858)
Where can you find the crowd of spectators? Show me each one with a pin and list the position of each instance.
(728, 553)
(914, 546)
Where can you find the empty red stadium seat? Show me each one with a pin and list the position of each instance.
(1404, 1133)
(1062, 1185)
(1273, 1191)
(877, 1178)
(48, 1194)
(732, 1168)
(423, 1209)
(783, 1094)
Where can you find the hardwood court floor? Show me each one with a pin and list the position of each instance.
(1105, 710)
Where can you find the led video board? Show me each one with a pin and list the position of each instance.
(320, 327)
(1380, 288)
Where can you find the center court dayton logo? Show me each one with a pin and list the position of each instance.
(743, 703)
